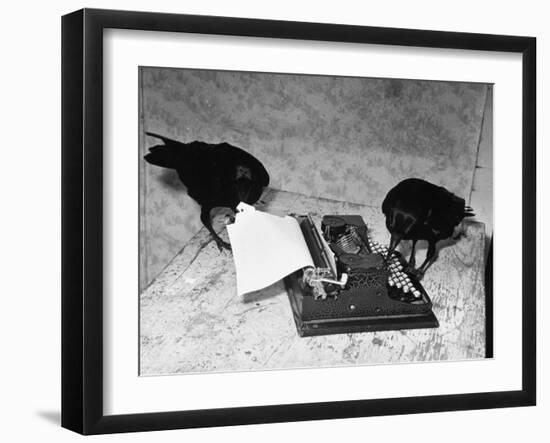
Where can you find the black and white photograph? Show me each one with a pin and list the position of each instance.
(266, 222)
(289, 220)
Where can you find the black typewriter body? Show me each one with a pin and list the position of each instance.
(353, 288)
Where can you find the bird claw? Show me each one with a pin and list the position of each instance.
(418, 273)
(411, 270)
(223, 245)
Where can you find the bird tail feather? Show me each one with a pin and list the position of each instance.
(162, 156)
(160, 137)
(469, 212)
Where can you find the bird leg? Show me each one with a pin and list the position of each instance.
(412, 258)
(394, 241)
(430, 258)
(205, 218)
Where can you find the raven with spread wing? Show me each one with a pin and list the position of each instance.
(418, 210)
(215, 175)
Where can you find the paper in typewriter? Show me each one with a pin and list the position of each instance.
(266, 248)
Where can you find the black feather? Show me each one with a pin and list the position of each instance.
(215, 175)
(418, 210)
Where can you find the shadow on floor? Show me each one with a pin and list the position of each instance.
(54, 417)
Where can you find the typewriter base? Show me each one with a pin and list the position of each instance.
(346, 324)
(350, 325)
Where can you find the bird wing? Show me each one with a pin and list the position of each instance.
(447, 211)
(211, 172)
(239, 158)
(411, 208)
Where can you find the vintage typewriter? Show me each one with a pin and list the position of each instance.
(353, 286)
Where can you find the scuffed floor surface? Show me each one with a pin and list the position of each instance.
(191, 319)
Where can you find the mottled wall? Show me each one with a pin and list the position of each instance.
(482, 187)
(342, 138)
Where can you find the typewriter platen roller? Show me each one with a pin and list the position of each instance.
(353, 287)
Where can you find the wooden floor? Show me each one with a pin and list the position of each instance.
(191, 319)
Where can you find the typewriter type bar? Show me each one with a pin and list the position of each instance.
(352, 287)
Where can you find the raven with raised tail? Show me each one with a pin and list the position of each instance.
(419, 210)
(215, 175)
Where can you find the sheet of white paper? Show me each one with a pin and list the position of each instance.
(266, 248)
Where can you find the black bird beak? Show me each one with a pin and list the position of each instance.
(395, 240)
(243, 189)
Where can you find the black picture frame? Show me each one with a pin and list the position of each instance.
(82, 216)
